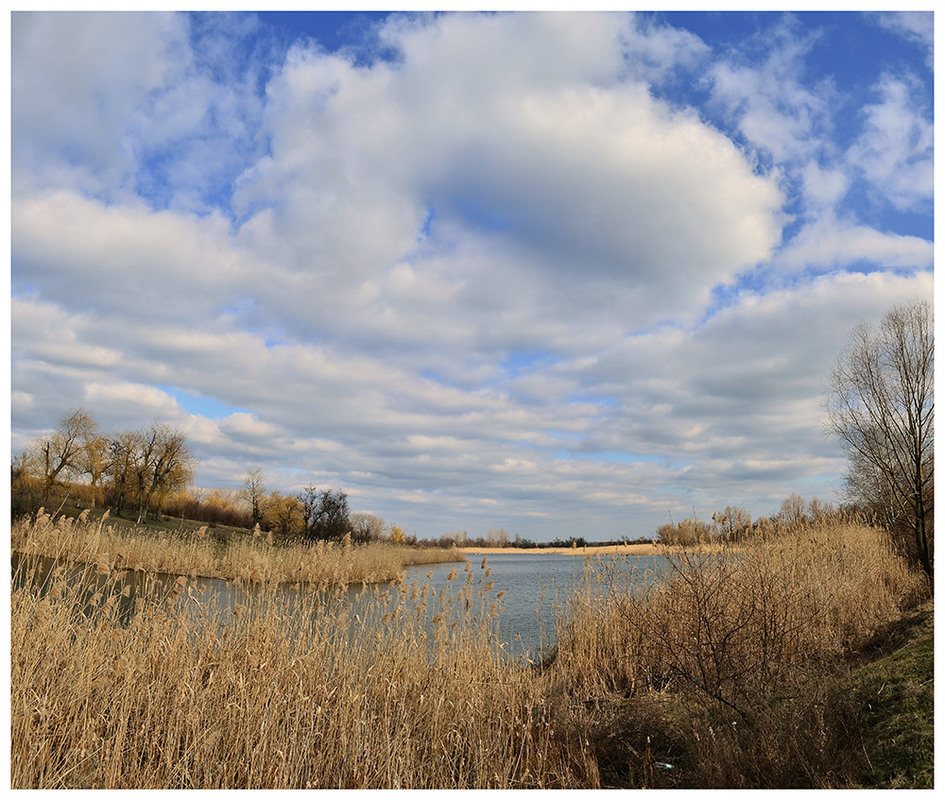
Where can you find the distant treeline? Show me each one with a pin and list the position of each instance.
(147, 473)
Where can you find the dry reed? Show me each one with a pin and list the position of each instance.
(405, 691)
(696, 679)
(250, 558)
(745, 647)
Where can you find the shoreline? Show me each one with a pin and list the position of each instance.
(601, 550)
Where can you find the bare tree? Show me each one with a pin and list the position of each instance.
(793, 511)
(367, 527)
(881, 405)
(62, 453)
(326, 513)
(164, 465)
(253, 492)
(498, 538)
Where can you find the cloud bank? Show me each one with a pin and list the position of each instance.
(559, 273)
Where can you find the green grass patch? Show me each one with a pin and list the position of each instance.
(895, 693)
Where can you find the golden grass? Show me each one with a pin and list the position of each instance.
(740, 654)
(411, 689)
(253, 558)
(411, 694)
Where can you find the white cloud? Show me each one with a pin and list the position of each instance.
(772, 107)
(833, 243)
(129, 104)
(125, 259)
(115, 399)
(824, 188)
(538, 167)
(742, 389)
(77, 79)
(895, 151)
(495, 282)
(914, 26)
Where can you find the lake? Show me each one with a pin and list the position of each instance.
(537, 585)
(525, 590)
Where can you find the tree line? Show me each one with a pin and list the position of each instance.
(147, 474)
(133, 471)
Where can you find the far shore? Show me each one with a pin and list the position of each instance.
(651, 549)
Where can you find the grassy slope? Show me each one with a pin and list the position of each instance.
(895, 691)
(891, 688)
(163, 525)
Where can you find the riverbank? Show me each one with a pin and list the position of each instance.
(255, 558)
(651, 549)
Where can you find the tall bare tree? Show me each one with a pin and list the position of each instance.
(881, 405)
(62, 453)
(164, 465)
(253, 492)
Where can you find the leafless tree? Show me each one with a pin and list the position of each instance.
(793, 511)
(164, 465)
(881, 405)
(253, 492)
(497, 537)
(62, 453)
(367, 527)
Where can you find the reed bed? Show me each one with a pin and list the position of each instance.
(720, 673)
(410, 693)
(745, 649)
(253, 558)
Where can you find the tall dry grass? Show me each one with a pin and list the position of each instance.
(411, 692)
(254, 558)
(721, 674)
(744, 648)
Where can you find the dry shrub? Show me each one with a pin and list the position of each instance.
(746, 639)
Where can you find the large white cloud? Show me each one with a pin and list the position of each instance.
(513, 140)
(77, 81)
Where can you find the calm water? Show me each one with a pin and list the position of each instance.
(536, 587)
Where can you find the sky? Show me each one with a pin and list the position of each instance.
(557, 273)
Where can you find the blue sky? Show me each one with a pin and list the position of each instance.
(556, 273)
